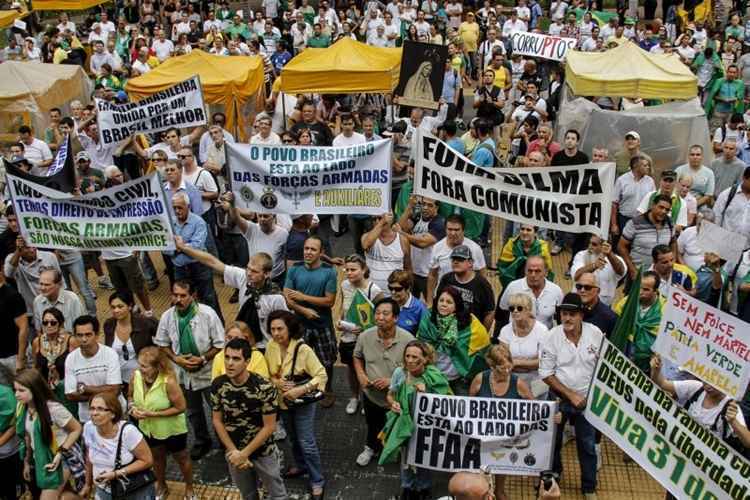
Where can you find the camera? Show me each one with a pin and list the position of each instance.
(548, 477)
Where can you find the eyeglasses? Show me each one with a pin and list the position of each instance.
(184, 156)
(50, 322)
(98, 409)
(516, 308)
(588, 288)
(396, 288)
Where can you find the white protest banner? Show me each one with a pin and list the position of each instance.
(131, 216)
(575, 199)
(726, 244)
(687, 459)
(178, 106)
(352, 179)
(503, 436)
(544, 46)
(705, 341)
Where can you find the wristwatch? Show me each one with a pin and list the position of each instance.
(205, 361)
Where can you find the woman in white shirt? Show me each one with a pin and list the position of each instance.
(46, 430)
(524, 335)
(102, 435)
(357, 278)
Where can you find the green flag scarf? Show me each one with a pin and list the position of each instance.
(466, 348)
(43, 454)
(187, 341)
(400, 426)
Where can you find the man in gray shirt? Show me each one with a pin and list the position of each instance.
(727, 168)
(25, 265)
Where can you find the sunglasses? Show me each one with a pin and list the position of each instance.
(396, 288)
(516, 308)
(125, 353)
(588, 288)
(184, 156)
(50, 323)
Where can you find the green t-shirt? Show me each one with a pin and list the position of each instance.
(319, 42)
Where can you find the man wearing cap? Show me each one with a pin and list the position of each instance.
(679, 213)
(92, 179)
(475, 290)
(545, 294)
(632, 148)
(566, 365)
(440, 264)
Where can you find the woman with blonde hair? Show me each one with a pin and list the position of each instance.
(157, 403)
(499, 382)
(524, 336)
(257, 365)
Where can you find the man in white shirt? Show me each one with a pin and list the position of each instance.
(141, 62)
(162, 46)
(97, 34)
(65, 23)
(391, 29)
(545, 294)
(219, 119)
(35, 151)
(513, 25)
(198, 177)
(348, 137)
(423, 27)
(488, 47)
(557, 10)
(108, 27)
(567, 365)
(211, 22)
(300, 31)
(265, 135)
(378, 40)
(604, 263)
(630, 188)
(92, 368)
(440, 263)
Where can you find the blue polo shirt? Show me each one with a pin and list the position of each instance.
(411, 314)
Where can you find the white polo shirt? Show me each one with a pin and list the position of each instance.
(545, 304)
(572, 364)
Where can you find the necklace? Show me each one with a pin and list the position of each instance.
(52, 349)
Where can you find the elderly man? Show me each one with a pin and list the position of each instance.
(194, 232)
(595, 311)
(604, 263)
(378, 352)
(53, 294)
(566, 365)
(191, 334)
(25, 266)
(546, 294)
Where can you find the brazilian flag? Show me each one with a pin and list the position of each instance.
(625, 327)
(599, 16)
(361, 311)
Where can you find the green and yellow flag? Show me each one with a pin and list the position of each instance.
(361, 311)
(625, 327)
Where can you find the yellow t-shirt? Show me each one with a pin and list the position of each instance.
(469, 33)
(257, 365)
(501, 77)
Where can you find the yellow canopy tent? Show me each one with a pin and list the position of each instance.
(345, 67)
(629, 71)
(228, 81)
(31, 89)
(8, 17)
(65, 4)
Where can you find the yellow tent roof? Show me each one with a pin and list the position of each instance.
(37, 87)
(227, 80)
(8, 16)
(345, 67)
(629, 71)
(66, 4)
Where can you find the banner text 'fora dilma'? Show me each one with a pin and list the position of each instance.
(575, 199)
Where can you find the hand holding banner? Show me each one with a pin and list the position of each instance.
(575, 199)
(505, 436)
(310, 179)
(131, 216)
(178, 106)
(706, 342)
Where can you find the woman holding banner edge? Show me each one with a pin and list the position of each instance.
(499, 382)
(418, 374)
